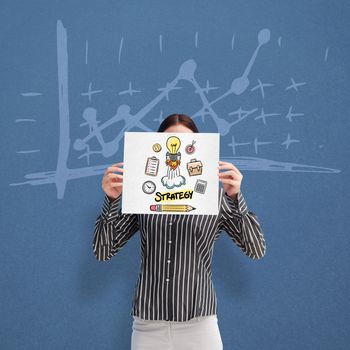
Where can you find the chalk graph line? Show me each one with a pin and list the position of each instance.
(186, 72)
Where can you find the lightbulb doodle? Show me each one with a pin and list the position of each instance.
(173, 178)
(82, 147)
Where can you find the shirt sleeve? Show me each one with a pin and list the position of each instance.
(242, 226)
(112, 229)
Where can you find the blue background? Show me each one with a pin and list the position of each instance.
(54, 293)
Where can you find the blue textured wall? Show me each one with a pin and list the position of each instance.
(271, 76)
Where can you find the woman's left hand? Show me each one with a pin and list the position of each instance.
(231, 179)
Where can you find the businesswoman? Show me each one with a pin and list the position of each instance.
(174, 304)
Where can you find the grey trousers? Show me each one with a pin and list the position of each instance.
(199, 333)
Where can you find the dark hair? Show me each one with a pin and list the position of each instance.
(174, 119)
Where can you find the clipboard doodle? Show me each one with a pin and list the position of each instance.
(152, 165)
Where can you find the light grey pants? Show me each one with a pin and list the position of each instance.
(199, 333)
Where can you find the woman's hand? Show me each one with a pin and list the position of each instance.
(231, 179)
(112, 184)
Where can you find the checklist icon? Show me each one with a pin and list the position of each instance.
(152, 166)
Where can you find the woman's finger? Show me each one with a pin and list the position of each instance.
(114, 177)
(232, 182)
(112, 169)
(109, 177)
(230, 173)
(227, 165)
(116, 164)
(116, 184)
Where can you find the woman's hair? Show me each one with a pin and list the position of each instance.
(174, 119)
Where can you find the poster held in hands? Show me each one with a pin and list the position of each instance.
(171, 173)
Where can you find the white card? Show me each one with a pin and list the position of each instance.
(170, 173)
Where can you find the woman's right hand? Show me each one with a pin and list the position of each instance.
(112, 184)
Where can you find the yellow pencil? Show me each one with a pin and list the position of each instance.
(171, 207)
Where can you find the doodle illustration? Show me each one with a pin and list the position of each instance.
(152, 166)
(173, 159)
(171, 207)
(200, 186)
(148, 187)
(194, 167)
(189, 149)
(207, 107)
(157, 147)
(170, 196)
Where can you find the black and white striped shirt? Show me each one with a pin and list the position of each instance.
(175, 279)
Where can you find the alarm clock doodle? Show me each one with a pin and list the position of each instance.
(177, 171)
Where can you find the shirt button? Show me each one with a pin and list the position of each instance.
(109, 215)
(167, 279)
(168, 261)
(170, 223)
(169, 241)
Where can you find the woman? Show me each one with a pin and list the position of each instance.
(175, 305)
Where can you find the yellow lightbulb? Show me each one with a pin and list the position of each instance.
(173, 144)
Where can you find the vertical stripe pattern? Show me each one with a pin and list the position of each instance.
(175, 279)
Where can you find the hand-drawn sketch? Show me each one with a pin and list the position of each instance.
(194, 167)
(189, 149)
(83, 147)
(200, 186)
(148, 187)
(152, 165)
(171, 188)
(173, 177)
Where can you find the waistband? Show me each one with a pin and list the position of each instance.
(192, 320)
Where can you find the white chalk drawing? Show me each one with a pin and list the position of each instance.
(187, 72)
